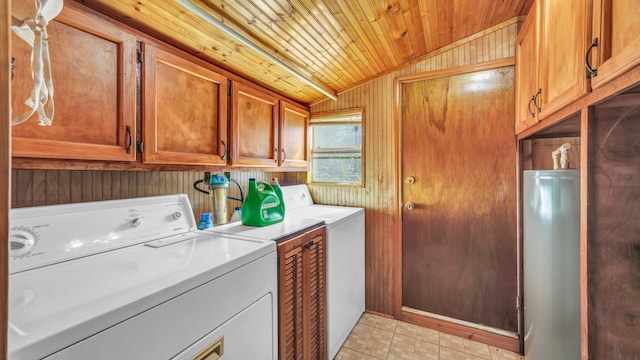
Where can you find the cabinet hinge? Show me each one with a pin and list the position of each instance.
(229, 90)
(519, 302)
(140, 146)
(140, 56)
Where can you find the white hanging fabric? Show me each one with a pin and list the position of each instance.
(34, 32)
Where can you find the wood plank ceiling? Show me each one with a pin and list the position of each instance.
(337, 44)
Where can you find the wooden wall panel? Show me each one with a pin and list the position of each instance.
(613, 231)
(51, 187)
(378, 196)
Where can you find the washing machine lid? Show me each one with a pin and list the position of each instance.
(290, 225)
(331, 215)
(53, 306)
(296, 196)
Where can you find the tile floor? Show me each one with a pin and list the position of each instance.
(376, 337)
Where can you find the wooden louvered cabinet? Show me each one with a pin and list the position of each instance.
(302, 312)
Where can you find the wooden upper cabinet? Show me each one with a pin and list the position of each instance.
(254, 127)
(294, 122)
(302, 321)
(527, 71)
(550, 52)
(93, 67)
(617, 28)
(564, 36)
(185, 110)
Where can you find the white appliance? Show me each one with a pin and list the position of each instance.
(134, 279)
(345, 260)
(551, 264)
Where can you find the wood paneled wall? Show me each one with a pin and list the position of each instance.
(50, 187)
(613, 230)
(378, 196)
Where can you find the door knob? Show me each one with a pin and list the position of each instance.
(410, 180)
(410, 205)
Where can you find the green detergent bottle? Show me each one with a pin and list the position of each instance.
(261, 207)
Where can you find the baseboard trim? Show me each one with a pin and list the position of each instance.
(504, 340)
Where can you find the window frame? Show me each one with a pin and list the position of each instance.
(337, 118)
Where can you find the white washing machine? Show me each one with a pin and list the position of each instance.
(345, 260)
(134, 279)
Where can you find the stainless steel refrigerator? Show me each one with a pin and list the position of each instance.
(551, 264)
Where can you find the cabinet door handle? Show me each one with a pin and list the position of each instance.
(284, 155)
(591, 72)
(224, 152)
(130, 144)
(535, 100)
(275, 155)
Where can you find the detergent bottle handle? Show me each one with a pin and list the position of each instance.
(266, 186)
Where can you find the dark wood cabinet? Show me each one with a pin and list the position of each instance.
(302, 296)
(93, 66)
(185, 110)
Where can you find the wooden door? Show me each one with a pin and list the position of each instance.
(254, 127)
(563, 45)
(94, 79)
(294, 122)
(617, 28)
(459, 237)
(185, 118)
(527, 71)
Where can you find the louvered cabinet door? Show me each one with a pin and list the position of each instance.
(302, 310)
(290, 298)
(315, 295)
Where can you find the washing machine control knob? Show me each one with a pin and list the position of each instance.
(176, 215)
(135, 222)
(21, 242)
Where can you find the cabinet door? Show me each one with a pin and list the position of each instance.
(315, 295)
(563, 39)
(527, 71)
(254, 127)
(185, 117)
(616, 25)
(290, 298)
(294, 122)
(94, 78)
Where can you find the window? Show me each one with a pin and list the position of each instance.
(336, 148)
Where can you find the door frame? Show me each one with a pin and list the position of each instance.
(478, 333)
(5, 168)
